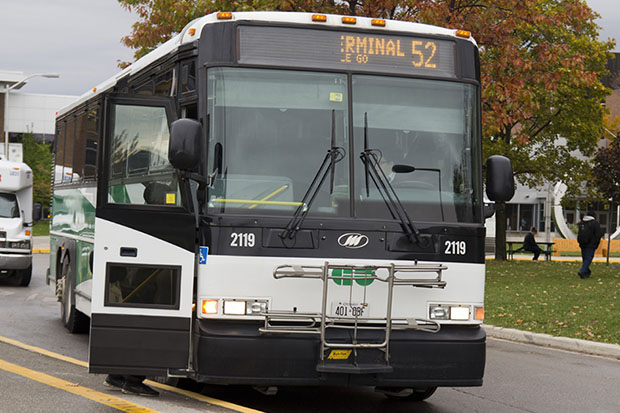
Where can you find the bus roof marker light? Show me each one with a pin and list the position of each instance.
(349, 20)
(224, 15)
(378, 22)
(463, 33)
(319, 18)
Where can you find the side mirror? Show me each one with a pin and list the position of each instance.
(500, 179)
(185, 145)
(37, 211)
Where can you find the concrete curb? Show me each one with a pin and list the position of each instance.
(547, 340)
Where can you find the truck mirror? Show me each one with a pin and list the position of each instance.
(500, 179)
(185, 145)
(37, 211)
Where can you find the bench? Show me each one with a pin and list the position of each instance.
(547, 250)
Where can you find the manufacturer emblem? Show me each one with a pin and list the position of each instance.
(353, 240)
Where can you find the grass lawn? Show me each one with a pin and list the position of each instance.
(41, 228)
(549, 297)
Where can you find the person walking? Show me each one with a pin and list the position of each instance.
(529, 243)
(588, 237)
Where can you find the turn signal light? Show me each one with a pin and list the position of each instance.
(209, 306)
(479, 313)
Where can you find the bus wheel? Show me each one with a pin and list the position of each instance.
(74, 321)
(22, 277)
(409, 394)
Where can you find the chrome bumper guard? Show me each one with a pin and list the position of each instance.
(290, 322)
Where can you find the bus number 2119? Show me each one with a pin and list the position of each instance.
(455, 248)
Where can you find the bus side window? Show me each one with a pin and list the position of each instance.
(59, 151)
(80, 143)
(139, 167)
(91, 144)
(67, 172)
(188, 76)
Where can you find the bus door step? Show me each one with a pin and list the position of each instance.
(354, 368)
(181, 373)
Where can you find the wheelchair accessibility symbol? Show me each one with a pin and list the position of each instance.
(202, 259)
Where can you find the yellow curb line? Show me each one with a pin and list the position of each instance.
(41, 251)
(75, 388)
(81, 363)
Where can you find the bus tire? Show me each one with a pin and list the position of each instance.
(73, 320)
(24, 276)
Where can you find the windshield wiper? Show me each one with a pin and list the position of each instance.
(373, 171)
(333, 156)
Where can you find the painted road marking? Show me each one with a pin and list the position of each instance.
(75, 388)
(195, 396)
(43, 351)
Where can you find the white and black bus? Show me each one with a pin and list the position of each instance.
(281, 199)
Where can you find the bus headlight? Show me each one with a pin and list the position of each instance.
(459, 313)
(257, 307)
(438, 312)
(234, 306)
(449, 312)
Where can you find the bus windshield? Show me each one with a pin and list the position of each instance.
(271, 129)
(423, 134)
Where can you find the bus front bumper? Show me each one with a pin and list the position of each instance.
(233, 352)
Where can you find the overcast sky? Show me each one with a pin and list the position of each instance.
(80, 40)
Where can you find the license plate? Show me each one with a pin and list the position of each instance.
(348, 310)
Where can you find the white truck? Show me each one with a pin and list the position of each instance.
(16, 220)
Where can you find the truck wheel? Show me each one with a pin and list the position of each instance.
(74, 320)
(24, 276)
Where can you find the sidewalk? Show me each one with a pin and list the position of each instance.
(547, 340)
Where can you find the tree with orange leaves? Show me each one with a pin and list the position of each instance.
(541, 66)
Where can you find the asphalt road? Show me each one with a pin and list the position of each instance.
(519, 378)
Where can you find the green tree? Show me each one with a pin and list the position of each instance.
(541, 68)
(38, 156)
(606, 171)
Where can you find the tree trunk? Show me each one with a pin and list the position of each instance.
(500, 231)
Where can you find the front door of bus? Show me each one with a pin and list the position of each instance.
(144, 247)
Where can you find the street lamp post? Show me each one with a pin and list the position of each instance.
(6, 105)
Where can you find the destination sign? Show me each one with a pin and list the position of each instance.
(327, 49)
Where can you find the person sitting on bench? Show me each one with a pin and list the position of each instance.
(529, 243)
